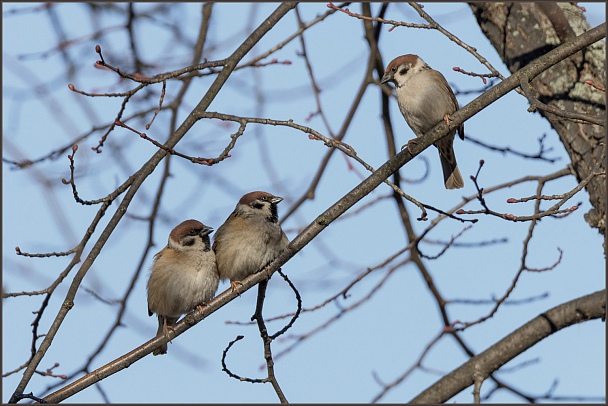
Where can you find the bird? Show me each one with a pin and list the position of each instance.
(183, 276)
(425, 98)
(250, 238)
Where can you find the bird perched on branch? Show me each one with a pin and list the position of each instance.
(425, 98)
(184, 276)
(250, 238)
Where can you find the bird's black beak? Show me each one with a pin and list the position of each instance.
(206, 231)
(386, 78)
(275, 199)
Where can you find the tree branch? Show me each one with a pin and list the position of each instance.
(579, 310)
(319, 224)
(137, 179)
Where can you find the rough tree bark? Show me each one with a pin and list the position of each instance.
(521, 32)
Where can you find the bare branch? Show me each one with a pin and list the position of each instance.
(579, 310)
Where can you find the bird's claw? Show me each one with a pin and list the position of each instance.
(235, 286)
(409, 144)
(167, 329)
(447, 119)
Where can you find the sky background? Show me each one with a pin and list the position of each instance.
(386, 334)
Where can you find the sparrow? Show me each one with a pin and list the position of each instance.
(425, 98)
(250, 238)
(183, 276)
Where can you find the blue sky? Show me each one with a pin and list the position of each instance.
(386, 334)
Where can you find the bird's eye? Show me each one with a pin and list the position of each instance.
(193, 232)
(394, 69)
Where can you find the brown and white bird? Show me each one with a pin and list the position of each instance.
(184, 276)
(250, 238)
(425, 98)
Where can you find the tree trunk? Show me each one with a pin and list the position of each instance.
(521, 32)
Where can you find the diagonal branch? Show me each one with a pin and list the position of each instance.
(136, 181)
(313, 229)
(579, 310)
